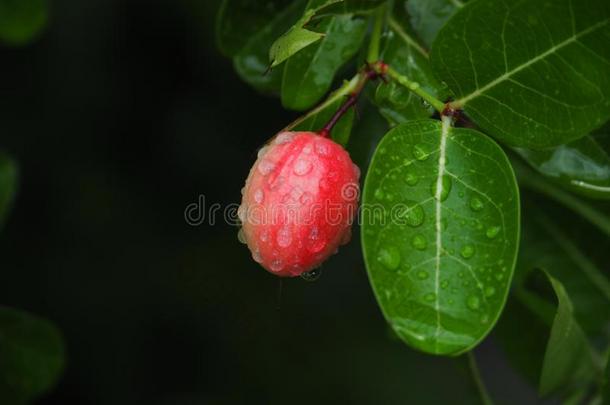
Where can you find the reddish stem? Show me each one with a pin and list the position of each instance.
(370, 72)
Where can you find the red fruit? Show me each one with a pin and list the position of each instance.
(299, 202)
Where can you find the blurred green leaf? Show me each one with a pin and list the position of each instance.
(239, 20)
(31, 356)
(582, 166)
(8, 185)
(21, 20)
(308, 75)
(252, 60)
(605, 387)
(350, 7)
(439, 238)
(568, 359)
(340, 133)
(545, 246)
(534, 73)
(429, 16)
(401, 51)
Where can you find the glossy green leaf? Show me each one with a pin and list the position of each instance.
(308, 75)
(252, 60)
(440, 230)
(31, 356)
(429, 16)
(21, 20)
(532, 73)
(8, 185)
(401, 51)
(340, 133)
(582, 166)
(545, 246)
(568, 359)
(239, 20)
(349, 7)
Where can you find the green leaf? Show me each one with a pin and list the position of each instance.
(440, 233)
(251, 61)
(21, 20)
(401, 51)
(545, 246)
(349, 7)
(568, 360)
(239, 20)
(31, 356)
(340, 133)
(308, 75)
(582, 166)
(605, 387)
(532, 73)
(429, 16)
(8, 185)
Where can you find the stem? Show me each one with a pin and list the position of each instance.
(373, 54)
(369, 72)
(395, 25)
(474, 369)
(416, 88)
(345, 90)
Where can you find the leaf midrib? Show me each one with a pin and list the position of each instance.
(478, 92)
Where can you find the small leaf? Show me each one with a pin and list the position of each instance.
(32, 356)
(294, 40)
(533, 73)
(251, 61)
(308, 75)
(340, 133)
(568, 359)
(440, 233)
(21, 20)
(429, 16)
(8, 185)
(396, 103)
(582, 166)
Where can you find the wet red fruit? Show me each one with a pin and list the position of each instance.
(298, 203)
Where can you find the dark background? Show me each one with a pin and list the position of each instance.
(121, 115)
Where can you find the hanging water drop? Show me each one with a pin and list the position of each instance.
(312, 275)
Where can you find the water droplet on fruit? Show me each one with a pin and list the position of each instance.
(259, 196)
(389, 257)
(241, 213)
(265, 167)
(256, 256)
(422, 275)
(312, 275)
(419, 242)
(473, 302)
(356, 171)
(322, 149)
(467, 251)
(411, 179)
(241, 237)
(264, 235)
(275, 182)
(284, 237)
(306, 198)
(445, 184)
(492, 232)
(476, 204)
(316, 241)
(307, 149)
(302, 167)
(262, 151)
(276, 265)
(284, 137)
(420, 152)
